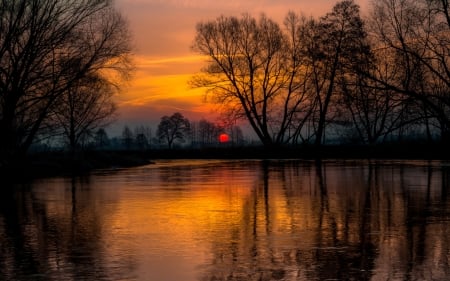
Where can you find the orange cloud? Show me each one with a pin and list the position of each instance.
(160, 87)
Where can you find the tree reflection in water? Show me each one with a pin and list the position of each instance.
(335, 222)
(44, 240)
(232, 220)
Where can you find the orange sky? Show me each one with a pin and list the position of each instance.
(162, 32)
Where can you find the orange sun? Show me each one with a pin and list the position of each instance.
(224, 138)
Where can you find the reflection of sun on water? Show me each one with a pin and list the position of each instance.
(174, 221)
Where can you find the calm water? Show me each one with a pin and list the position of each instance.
(232, 220)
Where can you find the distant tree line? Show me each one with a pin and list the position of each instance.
(172, 131)
(177, 130)
(60, 63)
(338, 77)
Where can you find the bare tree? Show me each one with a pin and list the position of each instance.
(208, 132)
(253, 71)
(333, 46)
(143, 135)
(236, 135)
(82, 109)
(374, 113)
(173, 128)
(127, 137)
(144, 130)
(101, 138)
(415, 35)
(46, 48)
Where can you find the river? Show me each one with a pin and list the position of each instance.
(211, 220)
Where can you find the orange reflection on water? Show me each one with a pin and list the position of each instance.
(234, 220)
(175, 219)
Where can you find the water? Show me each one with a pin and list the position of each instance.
(232, 220)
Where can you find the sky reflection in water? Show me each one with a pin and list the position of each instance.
(232, 220)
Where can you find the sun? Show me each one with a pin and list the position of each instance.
(223, 138)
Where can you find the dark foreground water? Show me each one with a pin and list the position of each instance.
(232, 220)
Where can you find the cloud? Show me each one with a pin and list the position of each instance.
(160, 87)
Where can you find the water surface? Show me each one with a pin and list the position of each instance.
(232, 220)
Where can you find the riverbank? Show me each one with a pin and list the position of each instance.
(58, 163)
(384, 151)
(55, 163)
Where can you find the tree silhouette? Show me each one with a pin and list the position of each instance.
(141, 141)
(205, 132)
(278, 80)
(172, 128)
(46, 48)
(334, 45)
(127, 137)
(101, 138)
(83, 109)
(253, 72)
(412, 47)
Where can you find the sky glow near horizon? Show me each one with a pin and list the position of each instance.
(162, 34)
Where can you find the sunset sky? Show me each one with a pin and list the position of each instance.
(163, 31)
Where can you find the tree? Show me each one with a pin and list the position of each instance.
(143, 136)
(84, 108)
(172, 128)
(415, 36)
(236, 135)
(47, 48)
(208, 132)
(127, 137)
(334, 45)
(372, 112)
(253, 71)
(101, 138)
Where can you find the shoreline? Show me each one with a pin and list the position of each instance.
(385, 151)
(58, 163)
